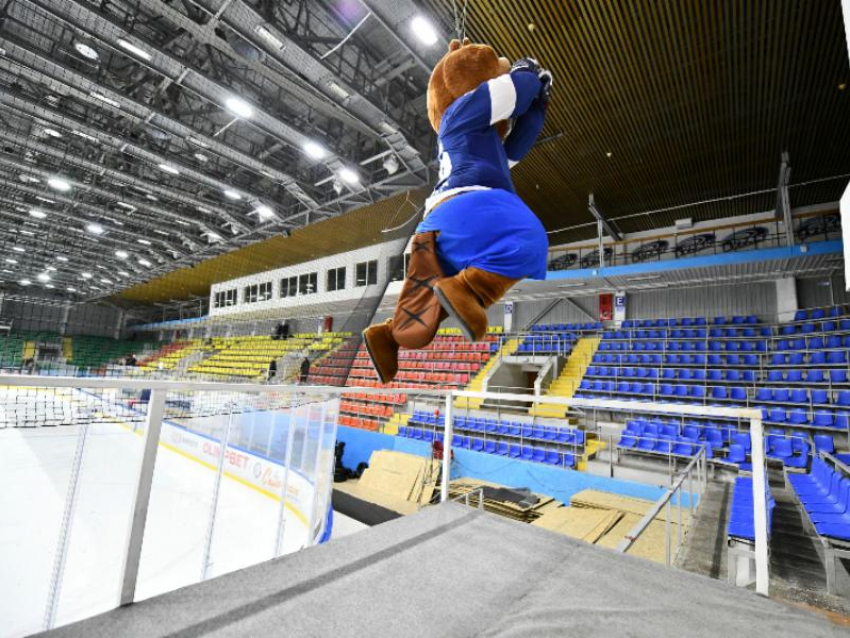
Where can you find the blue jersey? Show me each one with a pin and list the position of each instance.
(471, 153)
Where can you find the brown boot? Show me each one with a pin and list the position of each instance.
(468, 294)
(382, 349)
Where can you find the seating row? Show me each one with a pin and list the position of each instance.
(824, 494)
(555, 434)
(524, 452)
(691, 321)
(738, 345)
(742, 512)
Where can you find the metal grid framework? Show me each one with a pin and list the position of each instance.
(131, 104)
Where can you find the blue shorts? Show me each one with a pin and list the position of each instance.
(492, 230)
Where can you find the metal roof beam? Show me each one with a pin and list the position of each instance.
(33, 65)
(599, 217)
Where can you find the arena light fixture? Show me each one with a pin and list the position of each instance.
(264, 211)
(9, 260)
(29, 179)
(59, 183)
(38, 214)
(49, 286)
(314, 150)
(43, 277)
(239, 107)
(25, 282)
(71, 289)
(27, 232)
(86, 50)
(349, 176)
(45, 199)
(132, 48)
(144, 262)
(201, 157)
(168, 169)
(106, 281)
(95, 229)
(123, 273)
(144, 242)
(61, 258)
(424, 30)
(391, 164)
(229, 193)
(19, 249)
(52, 132)
(122, 254)
(50, 268)
(86, 275)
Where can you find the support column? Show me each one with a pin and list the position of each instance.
(786, 299)
(783, 202)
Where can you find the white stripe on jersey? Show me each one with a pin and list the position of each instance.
(502, 98)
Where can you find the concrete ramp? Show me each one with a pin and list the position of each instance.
(454, 571)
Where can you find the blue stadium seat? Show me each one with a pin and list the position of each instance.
(502, 449)
(815, 376)
(527, 453)
(515, 452)
(539, 455)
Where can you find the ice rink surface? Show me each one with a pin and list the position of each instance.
(35, 466)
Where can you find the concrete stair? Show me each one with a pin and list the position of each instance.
(568, 381)
(477, 383)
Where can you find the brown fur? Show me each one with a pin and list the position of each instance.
(463, 68)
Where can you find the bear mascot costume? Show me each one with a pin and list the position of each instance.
(477, 238)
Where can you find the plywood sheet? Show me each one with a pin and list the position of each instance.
(651, 543)
(626, 504)
(585, 524)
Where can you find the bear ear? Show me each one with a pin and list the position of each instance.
(454, 45)
(467, 42)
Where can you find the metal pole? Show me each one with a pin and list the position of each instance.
(281, 517)
(65, 528)
(311, 536)
(141, 498)
(448, 432)
(691, 492)
(669, 515)
(760, 505)
(222, 453)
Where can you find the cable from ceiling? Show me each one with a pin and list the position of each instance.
(345, 39)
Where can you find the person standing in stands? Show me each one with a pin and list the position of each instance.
(272, 369)
(131, 360)
(305, 369)
(282, 331)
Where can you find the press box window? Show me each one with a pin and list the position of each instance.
(397, 267)
(251, 293)
(308, 284)
(336, 279)
(289, 287)
(367, 273)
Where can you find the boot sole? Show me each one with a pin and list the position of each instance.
(372, 359)
(447, 306)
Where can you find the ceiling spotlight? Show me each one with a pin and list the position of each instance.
(106, 281)
(239, 107)
(71, 289)
(132, 48)
(144, 242)
(349, 176)
(337, 186)
(86, 275)
(11, 261)
(61, 258)
(424, 30)
(52, 132)
(214, 236)
(50, 268)
(123, 273)
(59, 184)
(29, 179)
(27, 232)
(19, 249)
(168, 169)
(122, 254)
(49, 286)
(38, 214)
(201, 157)
(45, 200)
(86, 50)
(144, 262)
(391, 164)
(264, 211)
(43, 277)
(95, 229)
(314, 150)
(609, 154)
(229, 193)
(25, 282)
